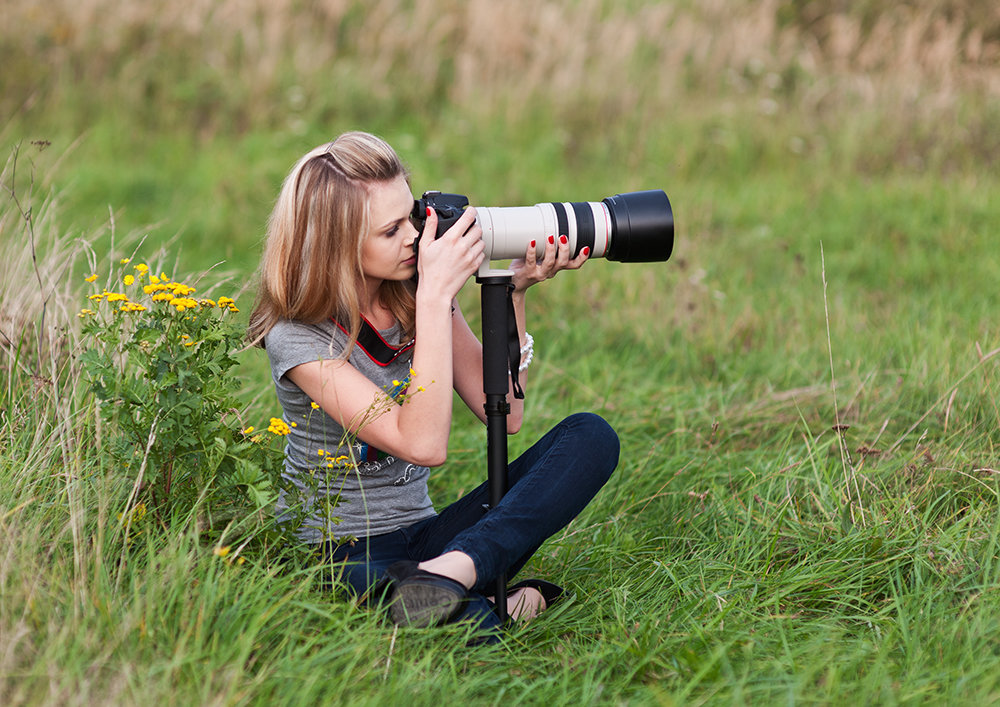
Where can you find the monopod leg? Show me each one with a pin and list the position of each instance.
(496, 369)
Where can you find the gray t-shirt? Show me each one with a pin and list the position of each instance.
(345, 487)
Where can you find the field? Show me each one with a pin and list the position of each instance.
(806, 509)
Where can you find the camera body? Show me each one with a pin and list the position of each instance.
(449, 208)
(632, 227)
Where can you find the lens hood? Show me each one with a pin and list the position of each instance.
(643, 227)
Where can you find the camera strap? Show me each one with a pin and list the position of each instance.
(513, 345)
(383, 353)
(375, 347)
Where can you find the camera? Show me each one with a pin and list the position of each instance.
(636, 227)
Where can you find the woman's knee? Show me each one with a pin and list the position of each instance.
(597, 438)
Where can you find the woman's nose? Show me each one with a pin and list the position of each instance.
(410, 234)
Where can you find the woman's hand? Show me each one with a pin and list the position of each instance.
(444, 264)
(529, 270)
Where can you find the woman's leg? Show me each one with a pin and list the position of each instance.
(549, 485)
(361, 563)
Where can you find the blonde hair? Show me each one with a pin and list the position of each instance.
(311, 267)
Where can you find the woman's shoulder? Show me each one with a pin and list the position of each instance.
(291, 334)
(284, 328)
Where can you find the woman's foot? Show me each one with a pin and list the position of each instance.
(525, 603)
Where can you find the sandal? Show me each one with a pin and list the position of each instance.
(550, 592)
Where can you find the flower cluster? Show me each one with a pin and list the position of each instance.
(160, 288)
(279, 427)
(332, 461)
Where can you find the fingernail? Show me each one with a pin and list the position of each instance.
(428, 211)
(531, 245)
(586, 250)
(563, 239)
(552, 239)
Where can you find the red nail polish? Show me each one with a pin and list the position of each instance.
(586, 250)
(531, 245)
(552, 239)
(563, 239)
(428, 211)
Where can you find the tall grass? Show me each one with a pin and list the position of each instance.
(806, 509)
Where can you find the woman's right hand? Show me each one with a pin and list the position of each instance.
(446, 263)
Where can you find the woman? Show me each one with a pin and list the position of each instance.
(340, 263)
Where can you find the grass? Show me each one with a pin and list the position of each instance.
(807, 507)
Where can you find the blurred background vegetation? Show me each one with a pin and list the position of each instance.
(186, 116)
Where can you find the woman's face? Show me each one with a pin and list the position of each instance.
(387, 250)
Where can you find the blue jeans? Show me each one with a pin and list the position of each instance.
(548, 487)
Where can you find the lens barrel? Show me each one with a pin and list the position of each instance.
(636, 227)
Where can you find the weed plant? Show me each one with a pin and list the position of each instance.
(806, 510)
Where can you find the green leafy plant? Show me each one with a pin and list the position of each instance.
(160, 361)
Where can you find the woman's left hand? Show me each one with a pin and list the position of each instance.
(531, 270)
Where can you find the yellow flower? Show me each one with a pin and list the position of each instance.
(84, 312)
(128, 280)
(221, 551)
(189, 343)
(181, 290)
(142, 268)
(98, 298)
(182, 303)
(249, 430)
(116, 297)
(314, 406)
(162, 297)
(206, 302)
(131, 307)
(91, 278)
(154, 279)
(278, 427)
(320, 452)
(228, 303)
(126, 261)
